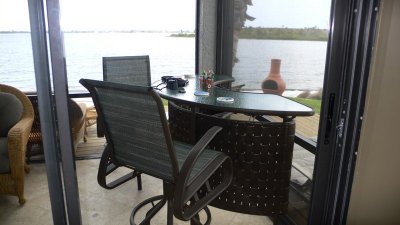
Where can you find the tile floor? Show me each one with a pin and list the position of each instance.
(98, 206)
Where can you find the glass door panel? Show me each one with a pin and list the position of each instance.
(164, 30)
(16, 64)
(293, 36)
(121, 28)
(17, 70)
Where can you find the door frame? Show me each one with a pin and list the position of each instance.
(57, 137)
(353, 25)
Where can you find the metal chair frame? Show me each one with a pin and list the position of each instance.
(138, 77)
(186, 187)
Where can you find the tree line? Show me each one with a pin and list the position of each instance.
(310, 34)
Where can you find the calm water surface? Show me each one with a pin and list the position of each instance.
(302, 66)
(302, 61)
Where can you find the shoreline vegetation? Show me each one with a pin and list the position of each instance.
(190, 35)
(303, 34)
(261, 33)
(101, 31)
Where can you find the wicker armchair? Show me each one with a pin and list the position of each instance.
(77, 112)
(12, 182)
(138, 135)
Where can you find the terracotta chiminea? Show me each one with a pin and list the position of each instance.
(274, 84)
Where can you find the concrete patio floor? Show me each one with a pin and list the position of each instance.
(98, 205)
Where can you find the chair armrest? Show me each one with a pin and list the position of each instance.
(195, 152)
(184, 191)
(18, 137)
(84, 109)
(19, 133)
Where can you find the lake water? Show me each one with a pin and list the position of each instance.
(302, 66)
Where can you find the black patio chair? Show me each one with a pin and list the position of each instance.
(127, 70)
(138, 136)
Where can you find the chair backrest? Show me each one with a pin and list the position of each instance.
(28, 108)
(127, 69)
(135, 127)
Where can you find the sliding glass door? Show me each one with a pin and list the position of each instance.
(321, 51)
(290, 39)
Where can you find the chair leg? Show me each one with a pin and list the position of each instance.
(153, 211)
(139, 181)
(21, 200)
(274, 219)
(26, 168)
(196, 219)
(170, 215)
(19, 188)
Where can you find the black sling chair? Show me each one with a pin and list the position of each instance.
(127, 70)
(138, 136)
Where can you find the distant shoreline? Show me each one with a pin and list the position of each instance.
(304, 34)
(261, 33)
(101, 31)
(257, 33)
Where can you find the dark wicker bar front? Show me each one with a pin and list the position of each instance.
(262, 156)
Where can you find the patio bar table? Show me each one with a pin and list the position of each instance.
(244, 102)
(261, 150)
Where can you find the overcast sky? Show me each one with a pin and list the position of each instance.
(163, 14)
(290, 13)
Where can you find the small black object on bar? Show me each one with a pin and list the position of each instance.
(172, 84)
(181, 82)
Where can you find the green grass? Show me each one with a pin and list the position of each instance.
(313, 103)
(165, 102)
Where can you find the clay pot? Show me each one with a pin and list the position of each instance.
(274, 84)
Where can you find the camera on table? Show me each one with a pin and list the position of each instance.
(173, 83)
